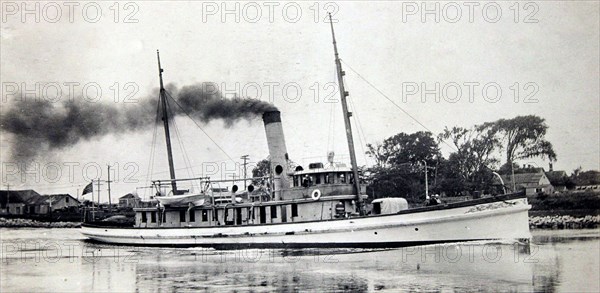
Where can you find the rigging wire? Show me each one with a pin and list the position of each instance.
(391, 101)
(331, 128)
(153, 146)
(205, 133)
(186, 158)
(359, 129)
(179, 139)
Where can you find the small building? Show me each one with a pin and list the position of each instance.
(23, 202)
(129, 200)
(532, 183)
(61, 201)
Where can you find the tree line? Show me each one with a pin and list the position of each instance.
(400, 160)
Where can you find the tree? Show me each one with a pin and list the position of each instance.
(405, 148)
(469, 168)
(399, 170)
(522, 137)
(580, 177)
(262, 168)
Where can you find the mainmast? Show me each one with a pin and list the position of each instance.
(347, 115)
(165, 119)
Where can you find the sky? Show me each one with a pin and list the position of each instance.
(489, 60)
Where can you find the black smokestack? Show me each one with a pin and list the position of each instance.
(38, 125)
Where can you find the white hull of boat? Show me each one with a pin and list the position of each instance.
(496, 220)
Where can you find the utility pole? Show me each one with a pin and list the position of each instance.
(108, 182)
(512, 170)
(98, 193)
(245, 158)
(426, 184)
(93, 210)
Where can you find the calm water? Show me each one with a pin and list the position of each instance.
(59, 260)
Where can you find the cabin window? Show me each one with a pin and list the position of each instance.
(192, 216)
(342, 178)
(294, 210)
(153, 217)
(229, 217)
(284, 213)
(318, 181)
(263, 215)
(305, 181)
(204, 216)
(66, 199)
(273, 212)
(182, 216)
(238, 216)
(144, 217)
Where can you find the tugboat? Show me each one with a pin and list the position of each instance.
(323, 206)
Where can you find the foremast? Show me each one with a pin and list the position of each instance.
(347, 115)
(165, 119)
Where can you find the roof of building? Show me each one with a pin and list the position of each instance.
(129, 195)
(55, 198)
(524, 178)
(27, 196)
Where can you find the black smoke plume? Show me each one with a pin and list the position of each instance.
(37, 126)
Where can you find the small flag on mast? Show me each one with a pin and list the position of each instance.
(88, 188)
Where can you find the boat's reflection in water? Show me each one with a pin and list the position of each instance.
(566, 261)
(453, 267)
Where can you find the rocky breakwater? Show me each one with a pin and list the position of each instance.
(20, 223)
(564, 222)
